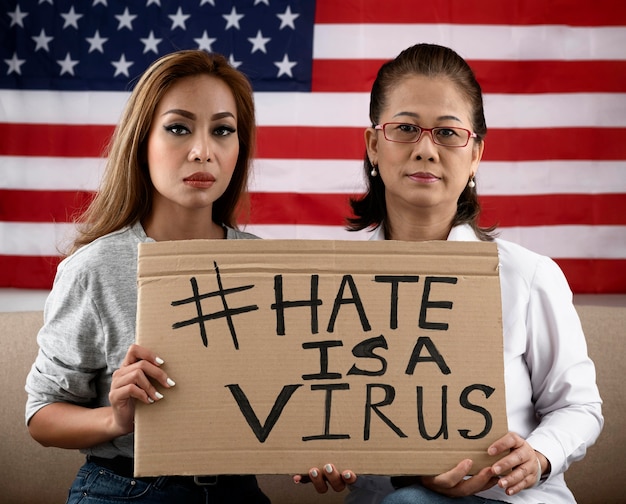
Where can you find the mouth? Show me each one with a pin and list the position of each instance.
(200, 180)
(424, 177)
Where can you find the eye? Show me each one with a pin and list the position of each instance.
(177, 129)
(224, 130)
(409, 129)
(446, 132)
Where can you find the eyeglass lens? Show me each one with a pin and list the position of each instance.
(410, 133)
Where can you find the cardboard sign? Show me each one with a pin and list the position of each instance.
(381, 357)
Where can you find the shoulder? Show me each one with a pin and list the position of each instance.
(528, 269)
(236, 234)
(111, 251)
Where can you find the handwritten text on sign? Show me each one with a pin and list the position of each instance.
(382, 357)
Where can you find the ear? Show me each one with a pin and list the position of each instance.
(477, 155)
(371, 144)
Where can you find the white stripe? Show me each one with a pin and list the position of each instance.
(607, 242)
(554, 241)
(331, 176)
(574, 242)
(547, 110)
(304, 232)
(336, 109)
(307, 176)
(552, 177)
(34, 239)
(49, 173)
(479, 42)
(494, 178)
(62, 107)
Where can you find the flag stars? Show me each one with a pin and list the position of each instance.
(67, 64)
(71, 18)
(287, 19)
(233, 62)
(15, 65)
(285, 66)
(121, 66)
(205, 43)
(96, 43)
(232, 19)
(42, 41)
(155, 2)
(179, 19)
(211, 2)
(258, 43)
(125, 20)
(96, 2)
(17, 17)
(151, 43)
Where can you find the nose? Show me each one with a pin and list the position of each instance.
(425, 147)
(201, 150)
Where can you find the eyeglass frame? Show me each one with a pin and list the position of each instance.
(470, 133)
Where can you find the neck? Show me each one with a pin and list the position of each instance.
(417, 226)
(192, 226)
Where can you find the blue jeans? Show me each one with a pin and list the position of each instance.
(419, 495)
(95, 484)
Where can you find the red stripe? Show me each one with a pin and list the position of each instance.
(595, 276)
(27, 272)
(492, 12)
(330, 209)
(507, 211)
(536, 144)
(542, 76)
(554, 210)
(54, 140)
(584, 275)
(307, 142)
(42, 206)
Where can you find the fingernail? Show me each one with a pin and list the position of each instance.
(328, 468)
(314, 473)
(347, 475)
(150, 400)
(159, 361)
(158, 395)
(171, 382)
(497, 469)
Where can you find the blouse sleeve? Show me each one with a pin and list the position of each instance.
(565, 394)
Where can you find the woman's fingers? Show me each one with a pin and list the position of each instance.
(327, 477)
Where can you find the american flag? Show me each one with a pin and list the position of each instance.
(553, 72)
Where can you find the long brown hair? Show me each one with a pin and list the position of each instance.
(432, 61)
(125, 193)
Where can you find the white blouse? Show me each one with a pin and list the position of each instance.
(551, 395)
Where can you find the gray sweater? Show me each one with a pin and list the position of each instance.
(89, 324)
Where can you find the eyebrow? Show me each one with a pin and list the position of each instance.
(192, 116)
(417, 116)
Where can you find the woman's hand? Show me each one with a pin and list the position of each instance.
(455, 483)
(132, 381)
(524, 463)
(328, 477)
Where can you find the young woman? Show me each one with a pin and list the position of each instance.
(423, 153)
(177, 167)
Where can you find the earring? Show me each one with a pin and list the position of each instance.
(471, 184)
(373, 173)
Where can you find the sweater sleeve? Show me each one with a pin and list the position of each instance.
(71, 353)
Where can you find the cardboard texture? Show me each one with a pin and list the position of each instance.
(382, 357)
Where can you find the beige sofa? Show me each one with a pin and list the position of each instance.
(32, 474)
